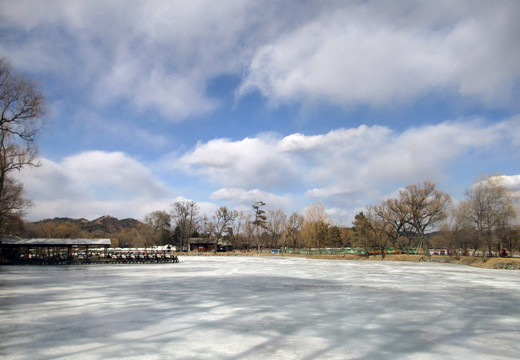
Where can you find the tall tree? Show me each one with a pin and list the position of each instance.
(244, 232)
(138, 236)
(259, 222)
(510, 239)
(316, 225)
(22, 107)
(462, 231)
(378, 223)
(205, 226)
(362, 235)
(160, 222)
(275, 225)
(426, 208)
(186, 216)
(489, 207)
(222, 223)
(12, 206)
(335, 238)
(396, 215)
(293, 229)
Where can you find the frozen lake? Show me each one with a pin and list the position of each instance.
(259, 308)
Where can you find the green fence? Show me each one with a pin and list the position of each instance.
(354, 251)
(326, 251)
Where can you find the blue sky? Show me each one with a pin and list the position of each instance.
(289, 102)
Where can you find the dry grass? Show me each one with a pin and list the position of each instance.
(481, 262)
(490, 263)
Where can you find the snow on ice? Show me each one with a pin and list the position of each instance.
(259, 308)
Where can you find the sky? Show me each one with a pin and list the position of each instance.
(288, 102)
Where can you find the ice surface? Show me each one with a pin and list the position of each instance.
(259, 308)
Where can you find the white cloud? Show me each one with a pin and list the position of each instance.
(161, 55)
(346, 167)
(367, 53)
(92, 184)
(156, 56)
(248, 197)
(336, 191)
(511, 182)
(251, 162)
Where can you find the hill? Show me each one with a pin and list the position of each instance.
(104, 224)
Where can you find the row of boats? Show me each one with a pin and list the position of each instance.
(139, 257)
(101, 257)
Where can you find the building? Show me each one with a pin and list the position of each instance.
(207, 244)
(18, 250)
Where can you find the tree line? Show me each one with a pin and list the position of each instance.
(421, 217)
(258, 228)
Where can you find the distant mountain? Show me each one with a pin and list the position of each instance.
(106, 224)
(110, 224)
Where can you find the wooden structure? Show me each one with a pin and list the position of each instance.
(19, 251)
(207, 244)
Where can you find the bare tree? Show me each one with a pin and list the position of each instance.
(489, 208)
(462, 232)
(275, 225)
(426, 208)
(223, 221)
(510, 239)
(378, 223)
(185, 214)
(205, 226)
(293, 229)
(139, 236)
(244, 232)
(316, 225)
(395, 212)
(12, 206)
(160, 222)
(22, 106)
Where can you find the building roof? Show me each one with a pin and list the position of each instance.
(53, 242)
(204, 241)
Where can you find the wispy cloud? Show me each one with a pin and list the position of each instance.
(356, 55)
(345, 53)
